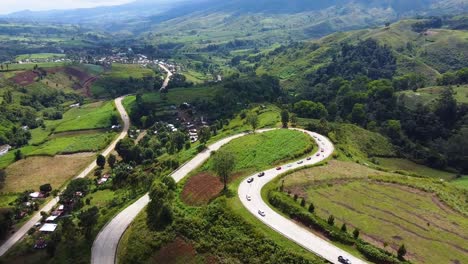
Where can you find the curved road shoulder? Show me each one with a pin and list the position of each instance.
(19, 234)
(283, 225)
(105, 246)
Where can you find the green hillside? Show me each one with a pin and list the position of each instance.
(429, 53)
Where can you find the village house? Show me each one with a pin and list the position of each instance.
(4, 149)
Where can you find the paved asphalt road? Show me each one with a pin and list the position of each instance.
(282, 224)
(36, 217)
(105, 246)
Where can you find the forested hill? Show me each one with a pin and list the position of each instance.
(425, 47)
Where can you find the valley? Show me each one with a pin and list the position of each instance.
(154, 131)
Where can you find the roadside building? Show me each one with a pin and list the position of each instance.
(4, 149)
(48, 228)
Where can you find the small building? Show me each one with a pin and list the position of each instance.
(37, 195)
(48, 228)
(51, 219)
(4, 149)
(75, 105)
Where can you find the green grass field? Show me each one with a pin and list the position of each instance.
(37, 56)
(426, 96)
(174, 97)
(88, 117)
(386, 212)
(125, 71)
(414, 168)
(265, 150)
(462, 183)
(30, 66)
(63, 145)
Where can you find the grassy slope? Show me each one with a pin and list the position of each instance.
(439, 51)
(384, 213)
(90, 116)
(274, 140)
(428, 95)
(62, 145)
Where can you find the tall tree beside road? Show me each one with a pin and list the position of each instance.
(285, 118)
(252, 120)
(101, 161)
(223, 165)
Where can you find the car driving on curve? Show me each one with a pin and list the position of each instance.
(250, 180)
(309, 158)
(343, 260)
(261, 174)
(322, 150)
(300, 162)
(260, 212)
(318, 154)
(279, 168)
(248, 198)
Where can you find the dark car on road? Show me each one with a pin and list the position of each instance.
(250, 180)
(341, 259)
(261, 174)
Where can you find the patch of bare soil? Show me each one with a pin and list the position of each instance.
(25, 78)
(201, 188)
(178, 251)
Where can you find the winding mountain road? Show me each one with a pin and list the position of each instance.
(168, 76)
(105, 246)
(19, 234)
(251, 198)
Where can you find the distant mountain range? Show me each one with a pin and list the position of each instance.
(147, 15)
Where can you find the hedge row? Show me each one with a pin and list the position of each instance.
(287, 205)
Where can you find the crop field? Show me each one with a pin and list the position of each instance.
(395, 215)
(30, 66)
(264, 150)
(125, 71)
(63, 145)
(32, 172)
(88, 117)
(174, 96)
(387, 214)
(409, 166)
(39, 56)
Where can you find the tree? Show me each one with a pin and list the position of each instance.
(51, 248)
(303, 202)
(45, 188)
(111, 160)
(2, 177)
(311, 208)
(331, 220)
(358, 114)
(88, 219)
(114, 120)
(446, 108)
(159, 211)
(356, 233)
(8, 97)
(101, 161)
(223, 165)
(310, 109)
(204, 134)
(252, 120)
(401, 251)
(178, 140)
(344, 228)
(285, 118)
(18, 155)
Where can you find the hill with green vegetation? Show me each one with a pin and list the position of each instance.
(427, 51)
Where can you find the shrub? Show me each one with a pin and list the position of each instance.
(295, 197)
(303, 202)
(311, 208)
(331, 220)
(356, 233)
(343, 228)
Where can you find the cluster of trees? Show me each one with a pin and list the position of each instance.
(159, 210)
(115, 87)
(425, 24)
(178, 80)
(454, 78)
(367, 58)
